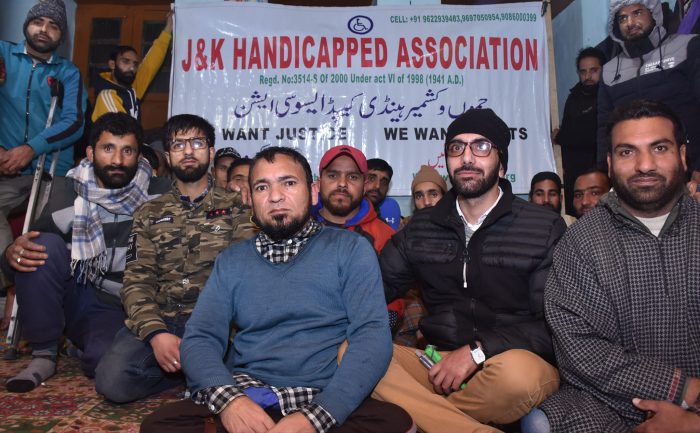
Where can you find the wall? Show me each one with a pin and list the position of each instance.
(14, 12)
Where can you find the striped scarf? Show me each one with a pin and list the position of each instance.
(88, 252)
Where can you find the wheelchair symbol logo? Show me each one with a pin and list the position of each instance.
(360, 25)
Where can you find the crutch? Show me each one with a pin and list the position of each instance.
(34, 207)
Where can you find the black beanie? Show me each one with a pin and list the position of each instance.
(485, 122)
(54, 9)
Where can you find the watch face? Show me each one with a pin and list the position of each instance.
(478, 356)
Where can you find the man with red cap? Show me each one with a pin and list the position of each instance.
(343, 170)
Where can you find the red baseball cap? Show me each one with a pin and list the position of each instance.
(344, 150)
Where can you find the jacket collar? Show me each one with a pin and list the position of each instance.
(444, 213)
(19, 49)
(612, 203)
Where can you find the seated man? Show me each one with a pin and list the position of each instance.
(342, 179)
(237, 174)
(296, 292)
(379, 174)
(589, 187)
(343, 173)
(68, 269)
(223, 158)
(427, 188)
(545, 190)
(482, 256)
(623, 297)
(173, 244)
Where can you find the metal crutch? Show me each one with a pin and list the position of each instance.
(34, 208)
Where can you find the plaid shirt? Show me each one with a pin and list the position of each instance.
(291, 399)
(284, 250)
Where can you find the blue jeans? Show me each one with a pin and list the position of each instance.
(51, 303)
(535, 422)
(129, 370)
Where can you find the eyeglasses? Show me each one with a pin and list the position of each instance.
(480, 147)
(196, 143)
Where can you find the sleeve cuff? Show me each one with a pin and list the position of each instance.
(149, 337)
(321, 419)
(217, 398)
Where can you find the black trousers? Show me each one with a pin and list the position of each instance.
(372, 416)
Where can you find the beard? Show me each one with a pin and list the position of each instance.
(473, 188)
(278, 229)
(379, 198)
(115, 180)
(652, 198)
(39, 46)
(190, 174)
(124, 78)
(590, 88)
(639, 36)
(337, 209)
(550, 206)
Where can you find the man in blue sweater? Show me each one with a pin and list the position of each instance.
(321, 287)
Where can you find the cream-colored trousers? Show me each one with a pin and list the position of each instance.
(507, 387)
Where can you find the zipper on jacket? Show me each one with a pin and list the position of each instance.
(29, 94)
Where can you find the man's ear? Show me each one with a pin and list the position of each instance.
(90, 153)
(111, 64)
(501, 171)
(609, 165)
(167, 159)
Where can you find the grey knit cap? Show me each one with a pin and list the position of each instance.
(54, 9)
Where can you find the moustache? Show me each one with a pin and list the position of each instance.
(468, 167)
(341, 191)
(116, 167)
(647, 176)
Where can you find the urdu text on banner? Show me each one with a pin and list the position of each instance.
(387, 80)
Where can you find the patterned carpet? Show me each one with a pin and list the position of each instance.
(68, 403)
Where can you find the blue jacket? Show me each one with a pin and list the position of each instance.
(25, 98)
(291, 318)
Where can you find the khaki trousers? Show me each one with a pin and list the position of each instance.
(507, 387)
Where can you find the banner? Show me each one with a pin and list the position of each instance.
(387, 80)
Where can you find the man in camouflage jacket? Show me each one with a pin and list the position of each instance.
(172, 248)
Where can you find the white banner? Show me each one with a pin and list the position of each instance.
(387, 80)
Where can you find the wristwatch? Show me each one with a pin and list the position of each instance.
(477, 355)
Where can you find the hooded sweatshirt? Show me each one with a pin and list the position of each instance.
(660, 67)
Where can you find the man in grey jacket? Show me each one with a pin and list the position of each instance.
(623, 295)
(652, 64)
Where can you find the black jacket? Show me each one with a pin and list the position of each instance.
(506, 266)
(578, 126)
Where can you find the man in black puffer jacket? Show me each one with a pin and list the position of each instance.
(482, 256)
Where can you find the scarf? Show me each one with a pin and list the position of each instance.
(88, 252)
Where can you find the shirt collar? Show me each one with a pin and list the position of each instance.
(475, 227)
(191, 204)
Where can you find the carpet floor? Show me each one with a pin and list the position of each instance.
(67, 402)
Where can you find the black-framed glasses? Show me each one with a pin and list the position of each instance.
(480, 147)
(196, 143)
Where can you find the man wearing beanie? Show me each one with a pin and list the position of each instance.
(482, 256)
(427, 187)
(25, 96)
